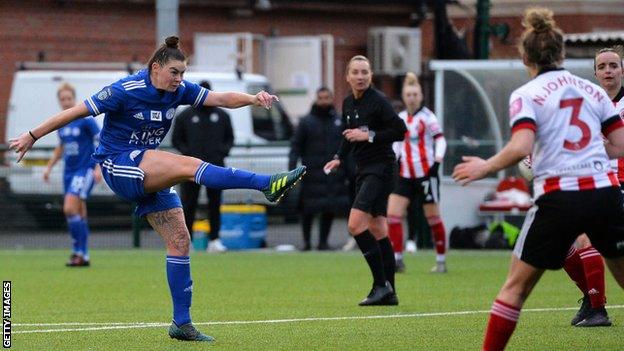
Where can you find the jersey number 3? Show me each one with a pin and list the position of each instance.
(575, 104)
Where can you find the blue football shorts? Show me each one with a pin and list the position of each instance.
(78, 182)
(122, 174)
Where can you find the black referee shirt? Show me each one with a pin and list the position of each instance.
(371, 112)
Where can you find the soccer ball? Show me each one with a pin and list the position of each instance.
(526, 168)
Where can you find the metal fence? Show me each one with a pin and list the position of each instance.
(31, 210)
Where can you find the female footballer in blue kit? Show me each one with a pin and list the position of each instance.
(76, 144)
(138, 113)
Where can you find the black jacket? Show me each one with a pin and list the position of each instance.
(372, 112)
(314, 142)
(205, 133)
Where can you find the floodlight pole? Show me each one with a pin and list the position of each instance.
(481, 46)
(166, 19)
(483, 31)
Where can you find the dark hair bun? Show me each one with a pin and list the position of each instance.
(172, 42)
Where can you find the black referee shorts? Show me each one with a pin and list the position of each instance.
(558, 218)
(373, 185)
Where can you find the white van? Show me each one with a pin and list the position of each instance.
(33, 99)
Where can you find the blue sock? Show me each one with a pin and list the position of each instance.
(75, 229)
(216, 177)
(84, 242)
(181, 287)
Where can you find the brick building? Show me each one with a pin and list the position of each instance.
(124, 30)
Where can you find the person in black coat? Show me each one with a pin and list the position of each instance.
(315, 142)
(205, 133)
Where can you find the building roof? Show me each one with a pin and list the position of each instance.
(593, 37)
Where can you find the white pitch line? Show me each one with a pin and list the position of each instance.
(75, 324)
(109, 327)
(135, 325)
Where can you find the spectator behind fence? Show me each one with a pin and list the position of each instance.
(76, 144)
(314, 142)
(204, 132)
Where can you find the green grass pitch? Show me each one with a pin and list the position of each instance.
(288, 301)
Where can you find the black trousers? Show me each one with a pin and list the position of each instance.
(324, 227)
(190, 193)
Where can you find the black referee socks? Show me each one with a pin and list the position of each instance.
(372, 253)
(387, 257)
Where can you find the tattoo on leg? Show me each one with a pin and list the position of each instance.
(169, 224)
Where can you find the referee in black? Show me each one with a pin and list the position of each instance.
(371, 126)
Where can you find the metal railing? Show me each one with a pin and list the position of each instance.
(31, 211)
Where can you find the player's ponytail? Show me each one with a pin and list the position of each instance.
(411, 80)
(169, 50)
(541, 42)
(172, 42)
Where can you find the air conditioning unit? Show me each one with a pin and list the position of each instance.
(395, 50)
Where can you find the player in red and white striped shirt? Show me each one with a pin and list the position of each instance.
(608, 71)
(559, 118)
(420, 154)
(584, 264)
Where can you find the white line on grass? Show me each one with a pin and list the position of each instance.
(135, 325)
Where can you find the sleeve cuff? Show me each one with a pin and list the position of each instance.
(611, 124)
(523, 123)
(201, 97)
(92, 107)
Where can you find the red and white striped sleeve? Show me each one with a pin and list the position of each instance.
(433, 126)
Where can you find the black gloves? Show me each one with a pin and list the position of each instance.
(434, 170)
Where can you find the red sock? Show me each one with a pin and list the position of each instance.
(503, 319)
(593, 266)
(439, 233)
(395, 233)
(574, 267)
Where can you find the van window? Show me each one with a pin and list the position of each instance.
(273, 124)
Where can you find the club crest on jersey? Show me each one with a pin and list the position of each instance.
(622, 114)
(139, 115)
(155, 115)
(104, 94)
(515, 107)
(170, 113)
(598, 166)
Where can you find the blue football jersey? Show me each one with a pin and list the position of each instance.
(137, 115)
(78, 138)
